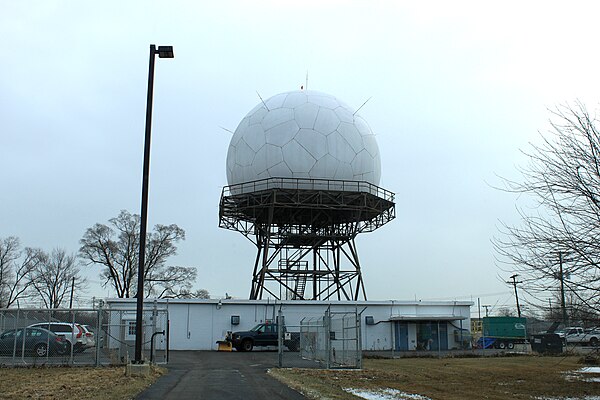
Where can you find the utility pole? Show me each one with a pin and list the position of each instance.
(562, 288)
(486, 306)
(72, 288)
(514, 283)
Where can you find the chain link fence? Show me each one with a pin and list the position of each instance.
(97, 336)
(331, 341)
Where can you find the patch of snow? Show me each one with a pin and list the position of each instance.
(578, 375)
(589, 370)
(385, 394)
(569, 398)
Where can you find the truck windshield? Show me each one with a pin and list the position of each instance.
(258, 328)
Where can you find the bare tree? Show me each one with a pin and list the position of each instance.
(197, 294)
(15, 268)
(170, 282)
(54, 276)
(557, 242)
(115, 247)
(505, 312)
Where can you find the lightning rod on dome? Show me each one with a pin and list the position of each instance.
(362, 105)
(225, 129)
(261, 99)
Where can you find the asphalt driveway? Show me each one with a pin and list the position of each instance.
(215, 375)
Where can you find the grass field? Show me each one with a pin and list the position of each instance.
(62, 383)
(522, 377)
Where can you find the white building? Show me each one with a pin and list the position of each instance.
(385, 325)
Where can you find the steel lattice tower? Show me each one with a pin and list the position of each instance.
(304, 231)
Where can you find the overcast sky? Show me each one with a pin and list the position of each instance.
(457, 88)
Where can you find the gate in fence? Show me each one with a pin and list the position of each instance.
(330, 341)
(98, 336)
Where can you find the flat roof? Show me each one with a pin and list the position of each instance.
(427, 317)
(298, 302)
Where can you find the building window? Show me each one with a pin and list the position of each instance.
(131, 328)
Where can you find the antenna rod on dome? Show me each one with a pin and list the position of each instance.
(362, 105)
(261, 99)
(306, 86)
(225, 129)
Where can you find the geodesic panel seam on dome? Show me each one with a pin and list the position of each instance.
(276, 101)
(280, 170)
(363, 163)
(314, 142)
(344, 172)
(282, 134)
(339, 148)
(351, 135)
(324, 101)
(344, 115)
(362, 126)
(257, 116)
(370, 144)
(267, 156)
(325, 166)
(244, 155)
(294, 100)
(306, 115)
(254, 137)
(297, 158)
(327, 121)
(276, 117)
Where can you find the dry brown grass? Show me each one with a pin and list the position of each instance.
(107, 383)
(523, 377)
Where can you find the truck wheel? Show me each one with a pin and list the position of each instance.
(594, 342)
(502, 345)
(511, 345)
(247, 345)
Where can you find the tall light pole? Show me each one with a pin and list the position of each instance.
(162, 52)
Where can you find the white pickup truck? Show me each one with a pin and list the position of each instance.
(577, 335)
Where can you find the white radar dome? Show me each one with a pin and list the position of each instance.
(303, 134)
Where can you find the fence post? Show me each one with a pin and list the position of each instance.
(327, 323)
(98, 332)
(14, 357)
(359, 340)
(73, 338)
(154, 317)
(280, 338)
(23, 338)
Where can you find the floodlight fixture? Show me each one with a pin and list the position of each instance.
(165, 52)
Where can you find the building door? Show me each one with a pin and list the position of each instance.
(439, 335)
(401, 335)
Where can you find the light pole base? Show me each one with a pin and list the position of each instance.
(137, 369)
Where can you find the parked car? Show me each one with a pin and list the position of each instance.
(37, 342)
(264, 334)
(90, 339)
(73, 333)
(577, 335)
